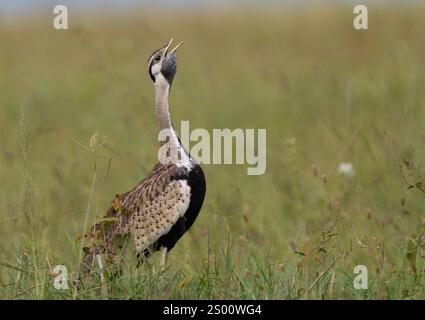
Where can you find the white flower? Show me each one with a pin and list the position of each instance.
(346, 169)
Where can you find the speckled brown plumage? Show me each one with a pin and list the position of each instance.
(145, 213)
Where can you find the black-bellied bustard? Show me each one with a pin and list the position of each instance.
(163, 206)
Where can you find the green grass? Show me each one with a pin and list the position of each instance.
(325, 93)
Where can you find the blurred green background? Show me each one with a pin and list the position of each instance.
(325, 92)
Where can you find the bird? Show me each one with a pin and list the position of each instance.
(160, 209)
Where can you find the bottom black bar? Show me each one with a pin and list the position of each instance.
(209, 309)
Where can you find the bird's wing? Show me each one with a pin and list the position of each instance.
(156, 204)
(146, 212)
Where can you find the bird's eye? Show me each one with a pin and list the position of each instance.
(157, 58)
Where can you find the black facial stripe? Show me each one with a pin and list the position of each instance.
(153, 54)
(150, 72)
(152, 62)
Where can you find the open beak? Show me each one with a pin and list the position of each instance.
(173, 50)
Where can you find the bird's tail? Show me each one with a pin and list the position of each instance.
(104, 238)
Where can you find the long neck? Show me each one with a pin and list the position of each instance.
(162, 91)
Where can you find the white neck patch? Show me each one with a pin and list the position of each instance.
(171, 151)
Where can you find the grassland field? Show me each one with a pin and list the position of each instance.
(72, 100)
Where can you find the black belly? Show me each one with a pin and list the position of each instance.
(196, 180)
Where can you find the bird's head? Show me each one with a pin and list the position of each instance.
(163, 63)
